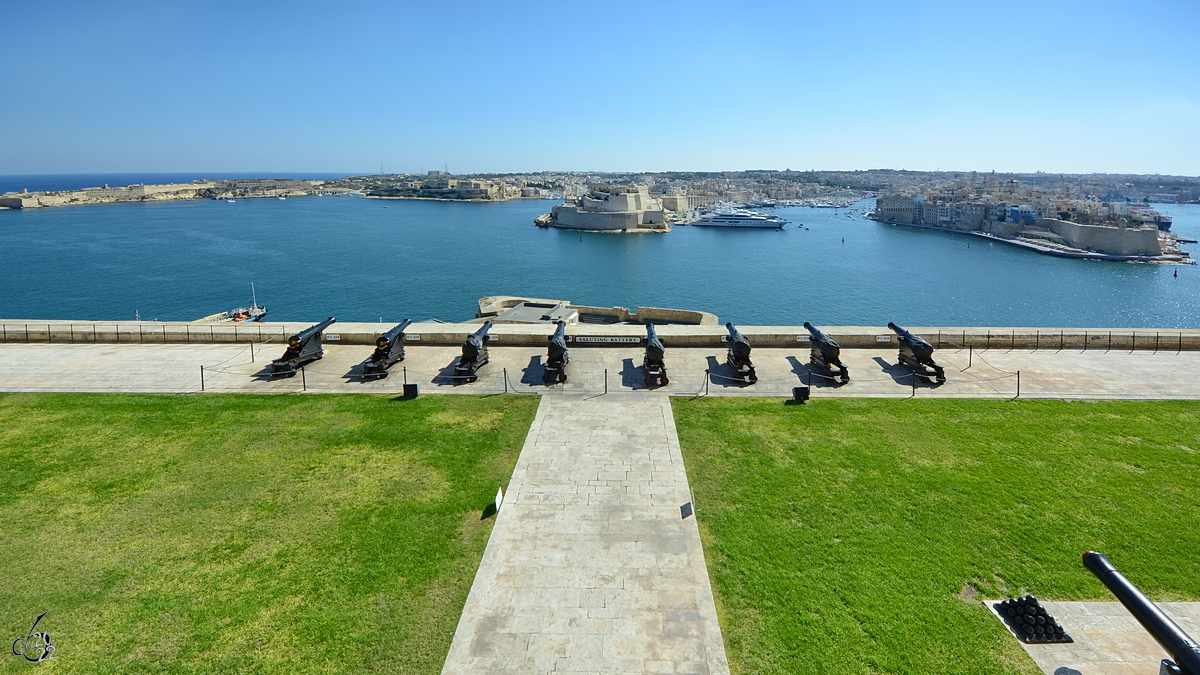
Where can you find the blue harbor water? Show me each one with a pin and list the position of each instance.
(365, 259)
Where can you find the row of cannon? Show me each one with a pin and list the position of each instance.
(304, 347)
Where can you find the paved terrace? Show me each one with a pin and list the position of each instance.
(176, 368)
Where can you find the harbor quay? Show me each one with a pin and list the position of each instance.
(1066, 363)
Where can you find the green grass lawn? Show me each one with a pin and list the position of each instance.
(247, 533)
(854, 535)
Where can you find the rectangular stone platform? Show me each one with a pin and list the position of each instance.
(176, 368)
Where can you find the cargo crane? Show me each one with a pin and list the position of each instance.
(389, 350)
(303, 348)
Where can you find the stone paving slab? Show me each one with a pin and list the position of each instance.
(590, 567)
(1094, 374)
(1108, 640)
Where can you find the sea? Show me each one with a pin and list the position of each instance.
(360, 259)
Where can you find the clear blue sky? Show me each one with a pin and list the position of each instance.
(96, 87)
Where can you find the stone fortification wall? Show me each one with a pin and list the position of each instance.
(1128, 241)
(571, 217)
(712, 335)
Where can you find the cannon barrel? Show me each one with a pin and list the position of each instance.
(558, 341)
(654, 346)
(475, 342)
(385, 341)
(1182, 648)
(738, 342)
(304, 335)
(483, 330)
(920, 348)
(829, 348)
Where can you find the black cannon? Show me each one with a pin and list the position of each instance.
(825, 355)
(1185, 653)
(656, 370)
(303, 348)
(917, 355)
(556, 356)
(389, 350)
(474, 354)
(738, 356)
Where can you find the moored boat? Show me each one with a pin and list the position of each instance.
(743, 219)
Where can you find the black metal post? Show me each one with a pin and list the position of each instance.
(506, 380)
(606, 380)
(1085, 340)
(49, 335)
(1109, 342)
(303, 380)
(970, 357)
(71, 327)
(406, 375)
(1018, 385)
(1012, 341)
(707, 379)
(1037, 344)
(914, 384)
(1061, 335)
(1133, 342)
(201, 378)
(164, 334)
(188, 330)
(252, 351)
(1156, 343)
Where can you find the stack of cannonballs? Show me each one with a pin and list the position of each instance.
(1030, 621)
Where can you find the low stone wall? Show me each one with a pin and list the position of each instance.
(587, 335)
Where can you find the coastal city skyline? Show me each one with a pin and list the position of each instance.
(1056, 87)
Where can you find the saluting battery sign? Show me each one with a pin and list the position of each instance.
(607, 338)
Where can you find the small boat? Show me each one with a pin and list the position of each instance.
(255, 312)
(281, 198)
(231, 201)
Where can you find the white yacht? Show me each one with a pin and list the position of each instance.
(741, 218)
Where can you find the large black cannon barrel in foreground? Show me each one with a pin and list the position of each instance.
(303, 348)
(656, 369)
(738, 356)
(825, 355)
(474, 354)
(1183, 649)
(556, 356)
(389, 350)
(917, 355)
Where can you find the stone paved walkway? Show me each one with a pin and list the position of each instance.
(590, 567)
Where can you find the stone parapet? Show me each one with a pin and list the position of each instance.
(588, 335)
